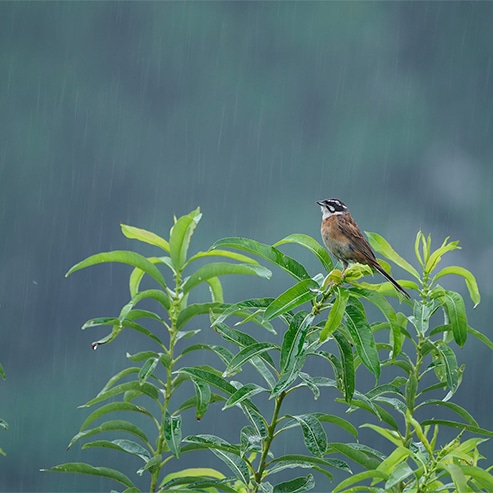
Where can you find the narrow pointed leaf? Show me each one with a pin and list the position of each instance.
(145, 236)
(484, 478)
(313, 434)
(346, 380)
(296, 295)
(266, 252)
(245, 392)
(297, 485)
(180, 235)
(291, 461)
(127, 446)
(211, 377)
(455, 309)
(235, 463)
(485, 340)
(121, 256)
(436, 256)
(382, 246)
(312, 245)
(223, 253)
(374, 474)
(216, 269)
(172, 433)
(247, 354)
(460, 411)
(448, 365)
(203, 397)
(195, 309)
(457, 425)
(83, 468)
(357, 453)
(471, 283)
(363, 338)
(336, 314)
(115, 425)
(111, 408)
(401, 472)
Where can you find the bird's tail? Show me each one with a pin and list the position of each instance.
(392, 280)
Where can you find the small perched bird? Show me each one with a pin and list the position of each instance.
(343, 238)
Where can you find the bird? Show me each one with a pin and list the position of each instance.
(343, 238)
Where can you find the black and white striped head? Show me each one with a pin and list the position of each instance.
(332, 207)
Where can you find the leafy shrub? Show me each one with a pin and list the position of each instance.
(324, 318)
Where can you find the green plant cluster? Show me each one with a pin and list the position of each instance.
(324, 317)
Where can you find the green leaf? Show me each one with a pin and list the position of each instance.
(197, 309)
(313, 433)
(172, 433)
(362, 476)
(115, 425)
(145, 236)
(247, 354)
(256, 419)
(480, 475)
(454, 407)
(203, 397)
(293, 352)
(398, 455)
(122, 256)
(291, 461)
(436, 256)
(455, 424)
(223, 253)
(148, 369)
(471, 283)
(455, 310)
(127, 446)
(235, 463)
(198, 472)
(83, 468)
(481, 337)
(111, 408)
(145, 389)
(296, 295)
(382, 246)
(362, 335)
(266, 252)
(180, 235)
(209, 376)
(447, 366)
(216, 269)
(391, 435)
(359, 453)
(312, 245)
(154, 294)
(294, 340)
(346, 379)
(336, 420)
(401, 472)
(216, 290)
(244, 392)
(336, 314)
(297, 485)
(2, 372)
(457, 476)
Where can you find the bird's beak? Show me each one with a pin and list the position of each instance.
(320, 203)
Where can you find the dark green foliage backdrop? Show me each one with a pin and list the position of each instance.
(134, 111)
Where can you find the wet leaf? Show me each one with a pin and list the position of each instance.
(83, 468)
(296, 295)
(145, 236)
(122, 256)
(180, 235)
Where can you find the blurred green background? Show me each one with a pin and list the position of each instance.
(133, 111)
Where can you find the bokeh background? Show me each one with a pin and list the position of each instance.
(134, 111)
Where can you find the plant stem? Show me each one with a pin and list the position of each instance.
(268, 441)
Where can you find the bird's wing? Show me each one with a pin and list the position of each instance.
(350, 229)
